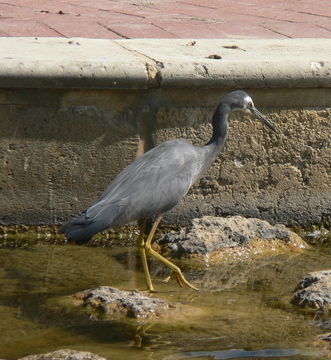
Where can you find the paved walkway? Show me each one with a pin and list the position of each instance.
(114, 19)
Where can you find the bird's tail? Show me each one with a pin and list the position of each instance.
(80, 229)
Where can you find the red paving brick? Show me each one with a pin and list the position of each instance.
(25, 28)
(298, 30)
(142, 30)
(69, 26)
(166, 19)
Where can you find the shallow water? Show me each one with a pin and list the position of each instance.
(243, 309)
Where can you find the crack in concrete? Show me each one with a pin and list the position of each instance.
(323, 27)
(107, 10)
(198, 5)
(154, 73)
(123, 13)
(113, 31)
(313, 14)
(85, 6)
(270, 18)
(276, 32)
(53, 29)
(160, 27)
(153, 70)
(206, 69)
(4, 3)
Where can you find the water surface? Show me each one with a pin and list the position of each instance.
(245, 306)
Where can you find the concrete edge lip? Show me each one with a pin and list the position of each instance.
(153, 63)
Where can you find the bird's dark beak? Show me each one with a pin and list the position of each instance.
(259, 115)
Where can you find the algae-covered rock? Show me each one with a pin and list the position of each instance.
(230, 237)
(64, 354)
(106, 300)
(314, 290)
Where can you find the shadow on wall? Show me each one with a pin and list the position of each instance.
(86, 115)
(65, 117)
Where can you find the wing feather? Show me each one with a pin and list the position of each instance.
(154, 183)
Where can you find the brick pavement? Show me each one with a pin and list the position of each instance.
(115, 19)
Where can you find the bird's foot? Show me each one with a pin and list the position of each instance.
(181, 281)
(178, 279)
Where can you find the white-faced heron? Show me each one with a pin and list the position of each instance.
(155, 182)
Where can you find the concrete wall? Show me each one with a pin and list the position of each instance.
(62, 138)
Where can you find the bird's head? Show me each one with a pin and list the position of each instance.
(240, 100)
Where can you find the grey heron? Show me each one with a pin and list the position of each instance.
(155, 182)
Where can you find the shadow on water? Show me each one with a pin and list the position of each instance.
(243, 354)
(246, 310)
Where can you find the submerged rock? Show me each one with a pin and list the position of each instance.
(232, 236)
(314, 290)
(324, 323)
(109, 301)
(65, 354)
(325, 341)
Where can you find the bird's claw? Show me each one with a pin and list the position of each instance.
(181, 281)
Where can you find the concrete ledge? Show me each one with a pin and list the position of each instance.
(144, 64)
(75, 112)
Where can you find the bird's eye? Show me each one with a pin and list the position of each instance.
(248, 102)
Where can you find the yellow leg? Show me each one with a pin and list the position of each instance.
(180, 277)
(142, 250)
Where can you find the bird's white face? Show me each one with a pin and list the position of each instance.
(244, 104)
(240, 100)
(248, 102)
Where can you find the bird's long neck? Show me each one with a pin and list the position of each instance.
(210, 151)
(220, 128)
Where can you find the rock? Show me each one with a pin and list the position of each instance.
(324, 338)
(234, 235)
(325, 341)
(314, 290)
(324, 323)
(65, 354)
(109, 301)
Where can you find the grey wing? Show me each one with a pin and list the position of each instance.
(151, 185)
